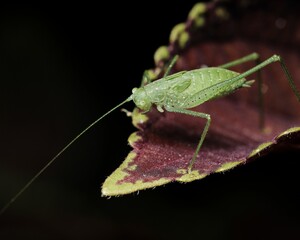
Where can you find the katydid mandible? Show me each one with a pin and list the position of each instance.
(184, 90)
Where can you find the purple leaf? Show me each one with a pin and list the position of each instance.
(166, 142)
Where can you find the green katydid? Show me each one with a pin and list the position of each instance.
(181, 91)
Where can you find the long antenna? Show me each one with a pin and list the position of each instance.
(58, 154)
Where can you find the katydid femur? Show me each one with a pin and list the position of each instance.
(184, 90)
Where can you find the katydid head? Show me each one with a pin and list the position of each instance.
(141, 99)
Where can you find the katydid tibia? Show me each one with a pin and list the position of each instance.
(184, 90)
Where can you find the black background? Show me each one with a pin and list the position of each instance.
(61, 67)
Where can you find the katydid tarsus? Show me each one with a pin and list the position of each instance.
(184, 90)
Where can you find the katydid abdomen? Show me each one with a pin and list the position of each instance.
(198, 86)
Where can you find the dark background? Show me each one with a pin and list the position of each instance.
(61, 67)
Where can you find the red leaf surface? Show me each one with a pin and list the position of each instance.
(165, 143)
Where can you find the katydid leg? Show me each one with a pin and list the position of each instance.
(171, 64)
(203, 135)
(274, 58)
(252, 57)
(247, 58)
(261, 121)
(145, 79)
(257, 68)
